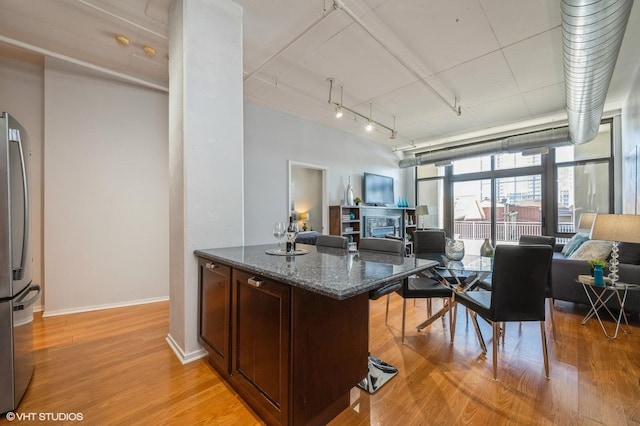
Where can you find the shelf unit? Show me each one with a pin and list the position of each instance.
(348, 220)
(345, 221)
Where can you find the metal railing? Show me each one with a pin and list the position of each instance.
(505, 231)
(509, 231)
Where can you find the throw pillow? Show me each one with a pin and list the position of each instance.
(629, 253)
(574, 243)
(592, 249)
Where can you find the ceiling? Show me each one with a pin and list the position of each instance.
(408, 62)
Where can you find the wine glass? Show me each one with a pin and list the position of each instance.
(291, 234)
(278, 232)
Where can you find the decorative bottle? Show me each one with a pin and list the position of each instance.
(486, 250)
(291, 235)
(350, 193)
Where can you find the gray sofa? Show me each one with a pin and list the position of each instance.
(565, 271)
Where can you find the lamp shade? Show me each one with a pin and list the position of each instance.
(586, 220)
(422, 210)
(616, 227)
(304, 216)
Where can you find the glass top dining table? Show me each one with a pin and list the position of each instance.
(479, 267)
(469, 272)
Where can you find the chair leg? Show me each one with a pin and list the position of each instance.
(429, 311)
(451, 319)
(496, 336)
(544, 350)
(474, 320)
(553, 323)
(453, 313)
(386, 314)
(404, 310)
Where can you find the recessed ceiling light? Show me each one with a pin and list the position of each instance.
(123, 39)
(150, 51)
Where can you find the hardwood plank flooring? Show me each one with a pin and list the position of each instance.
(115, 368)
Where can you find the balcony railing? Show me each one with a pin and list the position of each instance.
(509, 231)
(505, 231)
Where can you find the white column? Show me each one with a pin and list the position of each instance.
(205, 150)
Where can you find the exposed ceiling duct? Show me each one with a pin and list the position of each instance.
(526, 142)
(592, 33)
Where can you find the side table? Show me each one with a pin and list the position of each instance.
(598, 297)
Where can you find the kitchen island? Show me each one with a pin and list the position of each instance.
(290, 333)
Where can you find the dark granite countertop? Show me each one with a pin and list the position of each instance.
(327, 271)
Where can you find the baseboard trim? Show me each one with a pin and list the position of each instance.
(101, 307)
(181, 355)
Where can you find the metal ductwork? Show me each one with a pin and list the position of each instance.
(592, 32)
(526, 142)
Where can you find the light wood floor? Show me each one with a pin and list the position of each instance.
(115, 367)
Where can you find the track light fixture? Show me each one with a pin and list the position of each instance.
(340, 108)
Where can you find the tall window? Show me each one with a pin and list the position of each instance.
(430, 192)
(504, 196)
(583, 180)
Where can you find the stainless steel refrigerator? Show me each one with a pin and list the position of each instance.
(17, 292)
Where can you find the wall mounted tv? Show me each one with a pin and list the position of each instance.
(378, 190)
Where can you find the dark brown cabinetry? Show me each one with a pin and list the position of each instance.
(215, 305)
(260, 342)
(291, 354)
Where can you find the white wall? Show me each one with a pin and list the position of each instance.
(272, 137)
(106, 193)
(21, 95)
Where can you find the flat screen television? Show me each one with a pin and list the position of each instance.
(378, 190)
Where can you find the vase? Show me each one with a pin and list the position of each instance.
(486, 250)
(349, 193)
(598, 275)
(454, 249)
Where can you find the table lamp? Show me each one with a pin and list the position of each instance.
(421, 211)
(586, 220)
(304, 217)
(617, 228)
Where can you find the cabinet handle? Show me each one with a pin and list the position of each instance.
(210, 265)
(254, 282)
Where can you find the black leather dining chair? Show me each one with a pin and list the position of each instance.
(379, 371)
(549, 241)
(518, 292)
(428, 242)
(427, 286)
(336, 241)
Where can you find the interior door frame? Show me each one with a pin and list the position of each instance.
(325, 185)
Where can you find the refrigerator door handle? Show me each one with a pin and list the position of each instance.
(14, 136)
(21, 304)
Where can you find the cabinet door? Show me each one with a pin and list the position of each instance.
(214, 315)
(261, 344)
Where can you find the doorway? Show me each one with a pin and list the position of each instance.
(308, 195)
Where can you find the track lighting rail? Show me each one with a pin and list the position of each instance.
(340, 107)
